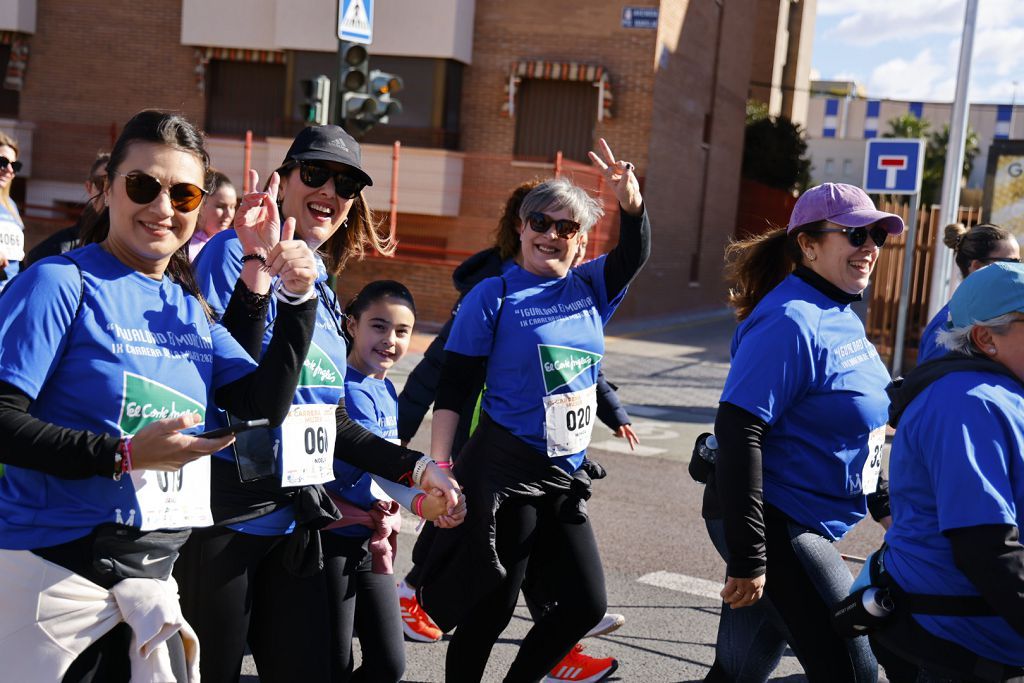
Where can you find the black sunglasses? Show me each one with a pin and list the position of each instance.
(858, 236)
(541, 222)
(313, 175)
(5, 162)
(143, 188)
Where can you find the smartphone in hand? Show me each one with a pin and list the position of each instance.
(235, 428)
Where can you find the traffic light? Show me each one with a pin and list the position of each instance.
(367, 97)
(316, 107)
(382, 87)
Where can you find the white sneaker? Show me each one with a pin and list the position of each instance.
(609, 623)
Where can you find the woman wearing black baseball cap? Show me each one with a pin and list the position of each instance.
(259, 576)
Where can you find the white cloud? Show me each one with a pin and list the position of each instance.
(904, 21)
(815, 74)
(918, 79)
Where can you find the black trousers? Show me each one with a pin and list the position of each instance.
(367, 604)
(573, 576)
(235, 589)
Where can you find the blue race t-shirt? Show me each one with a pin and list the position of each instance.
(801, 362)
(929, 348)
(12, 238)
(139, 350)
(956, 462)
(322, 379)
(544, 344)
(373, 404)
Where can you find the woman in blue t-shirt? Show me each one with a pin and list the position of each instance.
(107, 354)
(12, 229)
(957, 469)
(800, 427)
(973, 249)
(535, 336)
(256, 578)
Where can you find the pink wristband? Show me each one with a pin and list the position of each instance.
(417, 504)
(127, 467)
(443, 464)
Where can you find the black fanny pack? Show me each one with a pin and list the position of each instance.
(112, 552)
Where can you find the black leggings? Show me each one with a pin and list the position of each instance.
(574, 579)
(234, 589)
(368, 602)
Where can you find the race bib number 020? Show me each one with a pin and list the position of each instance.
(569, 420)
(307, 445)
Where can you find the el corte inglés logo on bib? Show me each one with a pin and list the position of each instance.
(562, 364)
(318, 370)
(146, 401)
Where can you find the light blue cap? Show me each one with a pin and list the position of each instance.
(988, 293)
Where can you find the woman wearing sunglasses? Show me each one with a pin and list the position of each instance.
(800, 427)
(12, 229)
(107, 354)
(973, 249)
(535, 336)
(257, 577)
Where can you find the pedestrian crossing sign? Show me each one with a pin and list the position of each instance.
(355, 21)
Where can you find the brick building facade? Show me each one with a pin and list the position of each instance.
(676, 76)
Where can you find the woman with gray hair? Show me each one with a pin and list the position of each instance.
(535, 334)
(957, 495)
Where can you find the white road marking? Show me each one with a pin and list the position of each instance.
(684, 584)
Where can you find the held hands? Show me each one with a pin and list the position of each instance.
(437, 484)
(626, 432)
(619, 176)
(743, 592)
(160, 445)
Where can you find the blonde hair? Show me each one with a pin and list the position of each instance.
(5, 192)
(360, 231)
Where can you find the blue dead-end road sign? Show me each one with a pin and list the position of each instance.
(355, 21)
(894, 166)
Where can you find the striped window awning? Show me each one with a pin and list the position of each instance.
(233, 54)
(14, 77)
(560, 71)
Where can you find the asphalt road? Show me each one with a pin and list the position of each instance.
(661, 570)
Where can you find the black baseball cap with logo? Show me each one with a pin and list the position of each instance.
(327, 143)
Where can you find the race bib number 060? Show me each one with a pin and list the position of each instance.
(307, 445)
(569, 421)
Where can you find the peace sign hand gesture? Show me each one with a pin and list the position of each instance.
(619, 175)
(257, 222)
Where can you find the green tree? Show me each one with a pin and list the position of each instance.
(909, 126)
(775, 153)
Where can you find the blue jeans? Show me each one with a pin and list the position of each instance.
(806, 578)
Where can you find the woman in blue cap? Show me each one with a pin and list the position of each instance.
(957, 469)
(973, 249)
(258, 576)
(800, 426)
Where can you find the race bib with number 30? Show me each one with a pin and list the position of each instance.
(569, 420)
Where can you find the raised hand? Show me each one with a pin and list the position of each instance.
(619, 176)
(293, 261)
(257, 221)
(626, 432)
(160, 445)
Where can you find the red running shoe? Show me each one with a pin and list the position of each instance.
(579, 668)
(416, 624)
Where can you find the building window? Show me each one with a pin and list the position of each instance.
(245, 96)
(830, 166)
(847, 167)
(553, 116)
(10, 100)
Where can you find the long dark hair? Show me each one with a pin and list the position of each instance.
(372, 293)
(163, 128)
(976, 244)
(758, 264)
(506, 237)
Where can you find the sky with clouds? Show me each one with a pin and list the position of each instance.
(909, 49)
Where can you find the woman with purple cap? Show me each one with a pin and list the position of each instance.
(259, 576)
(957, 468)
(800, 427)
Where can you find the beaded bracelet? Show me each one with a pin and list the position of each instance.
(255, 257)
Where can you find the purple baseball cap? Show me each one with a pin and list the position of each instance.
(845, 205)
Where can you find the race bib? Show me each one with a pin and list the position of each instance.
(569, 420)
(873, 464)
(174, 500)
(307, 444)
(12, 240)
